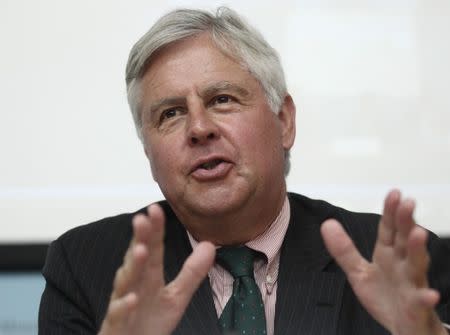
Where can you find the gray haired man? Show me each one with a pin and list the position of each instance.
(210, 104)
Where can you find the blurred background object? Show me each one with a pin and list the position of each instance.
(21, 285)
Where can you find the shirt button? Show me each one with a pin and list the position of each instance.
(269, 279)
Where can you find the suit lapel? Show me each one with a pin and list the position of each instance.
(308, 296)
(310, 285)
(200, 316)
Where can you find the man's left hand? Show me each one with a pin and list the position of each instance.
(393, 288)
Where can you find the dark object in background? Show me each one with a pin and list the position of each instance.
(21, 286)
(22, 257)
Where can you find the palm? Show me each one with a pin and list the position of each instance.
(141, 301)
(393, 287)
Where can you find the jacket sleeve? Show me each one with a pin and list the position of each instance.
(63, 309)
(439, 274)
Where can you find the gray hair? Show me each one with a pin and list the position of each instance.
(229, 32)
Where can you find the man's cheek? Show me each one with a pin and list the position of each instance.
(155, 163)
(165, 164)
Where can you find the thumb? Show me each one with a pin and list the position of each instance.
(341, 247)
(194, 270)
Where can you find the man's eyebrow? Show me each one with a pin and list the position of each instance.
(224, 86)
(211, 90)
(170, 101)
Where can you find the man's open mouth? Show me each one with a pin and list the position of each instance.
(211, 164)
(211, 168)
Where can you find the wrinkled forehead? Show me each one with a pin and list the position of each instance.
(195, 61)
(222, 46)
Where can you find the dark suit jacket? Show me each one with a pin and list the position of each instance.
(313, 296)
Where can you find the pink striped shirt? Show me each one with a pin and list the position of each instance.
(266, 273)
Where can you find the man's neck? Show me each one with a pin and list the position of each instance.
(234, 228)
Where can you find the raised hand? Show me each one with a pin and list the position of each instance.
(393, 287)
(141, 302)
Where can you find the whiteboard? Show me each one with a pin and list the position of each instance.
(370, 79)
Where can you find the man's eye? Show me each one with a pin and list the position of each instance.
(168, 113)
(222, 99)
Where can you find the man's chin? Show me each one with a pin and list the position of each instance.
(216, 206)
(216, 202)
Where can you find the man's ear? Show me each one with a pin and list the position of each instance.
(286, 116)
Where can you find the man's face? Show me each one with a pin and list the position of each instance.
(213, 143)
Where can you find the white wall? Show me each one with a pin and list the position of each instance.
(370, 79)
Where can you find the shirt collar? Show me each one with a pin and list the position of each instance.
(269, 242)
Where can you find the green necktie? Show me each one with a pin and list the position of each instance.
(244, 312)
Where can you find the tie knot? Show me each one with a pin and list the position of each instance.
(237, 260)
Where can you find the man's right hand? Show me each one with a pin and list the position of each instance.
(141, 302)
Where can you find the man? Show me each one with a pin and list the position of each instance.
(210, 104)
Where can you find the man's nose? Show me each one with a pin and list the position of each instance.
(202, 128)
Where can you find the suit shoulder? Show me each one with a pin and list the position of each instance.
(324, 208)
(113, 225)
(111, 234)
(96, 240)
(81, 263)
(361, 227)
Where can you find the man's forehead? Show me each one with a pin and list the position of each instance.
(201, 47)
(180, 71)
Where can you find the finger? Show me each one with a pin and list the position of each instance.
(155, 241)
(428, 298)
(137, 254)
(194, 270)
(417, 257)
(419, 315)
(131, 271)
(386, 228)
(342, 249)
(404, 223)
(153, 274)
(141, 228)
(133, 242)
(118, 312)
(423, 300)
